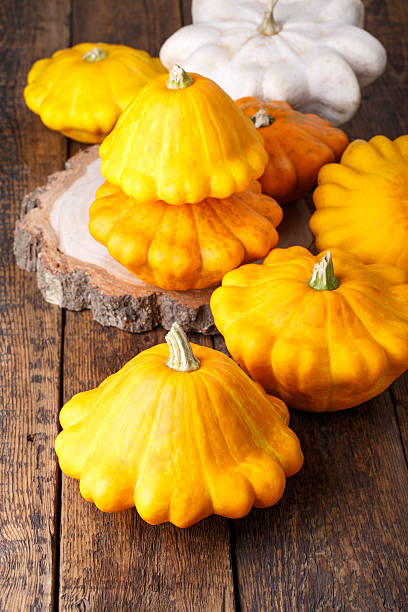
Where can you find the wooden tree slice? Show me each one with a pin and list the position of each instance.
(76, 272)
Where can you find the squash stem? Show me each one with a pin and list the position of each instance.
(269, 26)
(262, 118)
(182, 358)
(178, 78)
(94, 55)
(323, 278)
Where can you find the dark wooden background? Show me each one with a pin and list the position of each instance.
(336, 541)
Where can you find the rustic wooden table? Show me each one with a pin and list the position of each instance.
(338, 538)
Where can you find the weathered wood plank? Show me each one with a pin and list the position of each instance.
(144, 25)
(384, 109)
(30, 330)
(116, 561)
(337, 540)
(185, 12)
(399, 394)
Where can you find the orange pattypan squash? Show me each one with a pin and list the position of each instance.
(184, 247)
(182, 139)
(81, 91)
(362, 203)
(179, 435)
(322, 339)
(298, 145)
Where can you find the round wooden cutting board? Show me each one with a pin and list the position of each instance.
(76, 272)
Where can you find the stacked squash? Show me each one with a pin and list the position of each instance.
(181, 206)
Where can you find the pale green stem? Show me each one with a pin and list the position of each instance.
(182, 358)
(323, 278)
(262, 118)
(178, 78)
(95, 55)
(269, 26)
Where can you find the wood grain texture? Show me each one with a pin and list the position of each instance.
(384, 109)
(185, 10)
(30, 330)
(144, 24)
(117, 561)
(338, 539)
(399, 394)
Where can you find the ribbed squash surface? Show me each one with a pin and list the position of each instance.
(298, 145)
(317, 350)
(184, 247)
(84, 99)
(362, 202)
(182, 145)
(179, 446)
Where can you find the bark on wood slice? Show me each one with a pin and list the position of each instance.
(76, 272)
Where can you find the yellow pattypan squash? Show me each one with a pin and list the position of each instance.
(179, 434)
(362, 203)
(321, 338)
(81, 91)
(183, 139)
(185, 247)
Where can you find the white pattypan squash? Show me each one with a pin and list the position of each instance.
(313, 54)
